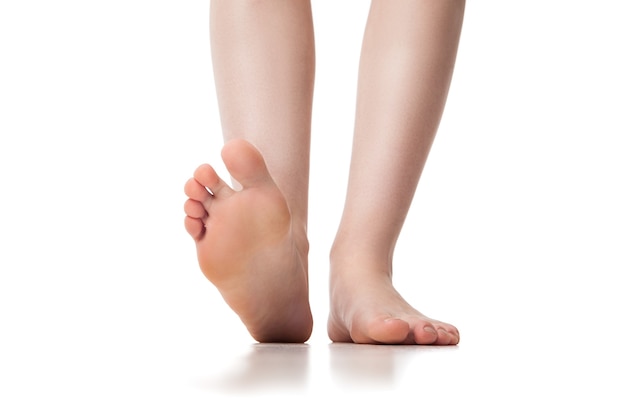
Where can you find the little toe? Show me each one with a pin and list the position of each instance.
(195, 227)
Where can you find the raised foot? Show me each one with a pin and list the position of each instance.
(249, 247)
(368, 309)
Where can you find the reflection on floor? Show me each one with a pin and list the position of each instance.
(276, 367)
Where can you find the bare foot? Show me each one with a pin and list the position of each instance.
(249, 247)
(366, 308)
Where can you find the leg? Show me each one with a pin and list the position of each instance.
(264, 64)
(407, 60)
(251, 239)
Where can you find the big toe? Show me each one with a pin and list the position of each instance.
(384, 330)
(245, 163)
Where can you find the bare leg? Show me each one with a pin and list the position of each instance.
(407, 60)
(264, 68)
(251, 240)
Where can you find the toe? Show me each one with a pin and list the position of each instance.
(455, 337)
(195, 209)
(195, 227)
(387, 330)
(448, 334)
(206, 176)
(196, 191)
(245, 163)
(443, 337)
(425, 333)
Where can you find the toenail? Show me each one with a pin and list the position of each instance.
(430, 330)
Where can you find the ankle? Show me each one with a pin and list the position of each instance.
(354, 259)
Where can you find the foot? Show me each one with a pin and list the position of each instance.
(249, 247)
(366, 308)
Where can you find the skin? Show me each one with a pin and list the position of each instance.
(251, 236)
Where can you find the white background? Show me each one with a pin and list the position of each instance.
(517, 234)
